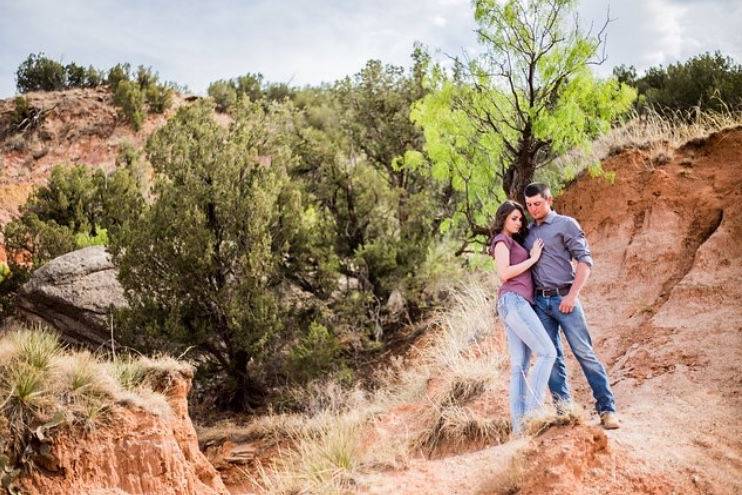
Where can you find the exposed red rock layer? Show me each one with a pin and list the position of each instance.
(136, 452)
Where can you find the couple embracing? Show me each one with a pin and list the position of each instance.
(538, 296)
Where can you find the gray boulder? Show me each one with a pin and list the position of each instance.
(75, 294)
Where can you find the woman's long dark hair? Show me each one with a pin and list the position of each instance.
(502, 214)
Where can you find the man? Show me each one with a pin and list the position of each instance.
(558, 287)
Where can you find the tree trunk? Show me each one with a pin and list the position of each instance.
(520, 173)
(247, 393)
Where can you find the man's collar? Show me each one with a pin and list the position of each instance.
(547, 219)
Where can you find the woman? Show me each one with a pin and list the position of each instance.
(526, 334)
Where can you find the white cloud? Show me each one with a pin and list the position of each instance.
(194, 42)
(439, 21)
(645, 33)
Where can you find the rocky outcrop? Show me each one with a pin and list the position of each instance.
(136, 451)
(75, 293)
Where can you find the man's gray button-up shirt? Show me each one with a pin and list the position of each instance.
(564, 241)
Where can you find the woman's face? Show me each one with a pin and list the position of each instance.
(513, 222)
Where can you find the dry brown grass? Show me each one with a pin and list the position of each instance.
(658, 134)
(510, 480)
(572, 414)
(43, 386)
(331, 446)
(456, 427)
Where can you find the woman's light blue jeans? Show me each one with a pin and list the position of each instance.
(526, 336)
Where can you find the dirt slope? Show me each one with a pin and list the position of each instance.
(662, 304)
(80, 126)
(136, 452)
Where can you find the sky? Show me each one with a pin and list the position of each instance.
(311, 41)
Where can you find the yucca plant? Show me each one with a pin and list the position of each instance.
(35, 347)
(130, 373)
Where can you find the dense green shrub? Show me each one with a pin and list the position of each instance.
(37, 240)
(76, 75)
(22, 111)
(131, 95)
(78, 207)
(278, 92)
(40, 73)
(84, 239)
(249, 85)
(206, 265)
(77, 203)
(93, 77)
(129, 98)
(146, 77)
(118, 73)
(707, 81)
(224, 95)
(66, 199)
(316, 353)
(159, 98)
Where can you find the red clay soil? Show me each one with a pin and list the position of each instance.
(662, 303)
(80, 126)
(137, 452)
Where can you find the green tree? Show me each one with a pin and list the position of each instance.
(224, 94)
(31, 239)
(146, 77)
(76, 75)
(67, 198)
(40, 73)
(76, 208)
(159, 97)
(118, 73)
(93, 77)
(250, 85)
(129, 97)
(707, 82)
(526, 100)
(204, 266)
(386, 212)
(76, 200)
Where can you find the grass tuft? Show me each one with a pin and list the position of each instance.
(339, 436)
(36, 347)
(44, 386)
(456, 427)
(572, 414)
(658, 134)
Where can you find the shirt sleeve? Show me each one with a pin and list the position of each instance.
(574, 239)
(495, 240)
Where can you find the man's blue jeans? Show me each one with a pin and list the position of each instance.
(575, 330)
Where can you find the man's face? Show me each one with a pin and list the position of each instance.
(538, 206)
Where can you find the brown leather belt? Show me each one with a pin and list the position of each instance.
(561, 291)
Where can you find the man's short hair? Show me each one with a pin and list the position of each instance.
(535, 188)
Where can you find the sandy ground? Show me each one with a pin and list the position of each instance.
(662, 304)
